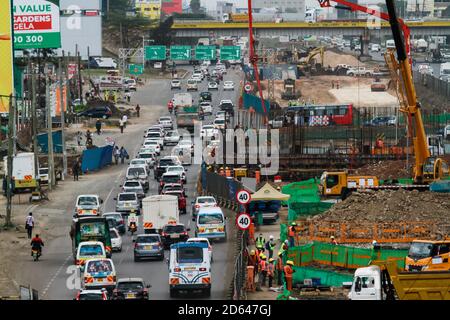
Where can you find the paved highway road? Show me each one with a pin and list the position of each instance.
(49, 275)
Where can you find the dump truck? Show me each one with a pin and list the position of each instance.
(289, 90)
(187, 117)
(428, 255)
(383, 281)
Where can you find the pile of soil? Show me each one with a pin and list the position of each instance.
(389, 169)
(333, 59)
(393, 206)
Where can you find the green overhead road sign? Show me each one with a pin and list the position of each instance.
(155, 53)
(180, 52)
(205, 52)
(230, 53)
(136, 69)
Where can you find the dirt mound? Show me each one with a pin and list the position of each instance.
(392, 206)
(333, 59)
(388, 169)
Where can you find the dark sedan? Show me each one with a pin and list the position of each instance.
(96, 112)
(131, 288)
(174, 233)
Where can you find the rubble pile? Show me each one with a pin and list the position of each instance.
(388, 169)
(392, 206)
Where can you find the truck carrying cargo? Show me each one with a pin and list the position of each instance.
(187, 117)
(24, 171)
(159, 210)
(181, 100)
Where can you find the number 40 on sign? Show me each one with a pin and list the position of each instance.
(243, 221)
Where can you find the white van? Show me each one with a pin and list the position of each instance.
(99, 273)
(189, 268)
(89, 250)
(88, 205)
(211, 224)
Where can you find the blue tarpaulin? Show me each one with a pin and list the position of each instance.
(255, 102)
(97, 158)
(42, 140)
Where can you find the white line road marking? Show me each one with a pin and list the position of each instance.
(55, 275)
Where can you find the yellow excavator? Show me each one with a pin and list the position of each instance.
(309, 62)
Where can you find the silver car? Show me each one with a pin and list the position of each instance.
(128, 202)
(148, 246)
(134, 186)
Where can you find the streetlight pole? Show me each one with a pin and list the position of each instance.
(11, 141)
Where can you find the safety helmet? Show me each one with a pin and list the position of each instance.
(374, 242)
(263, 257)
(286, 241)
(252, 252)
(271, 237)
(271, 260)
(290, 262)
(280, 254)
(332, 237)
(293, 223)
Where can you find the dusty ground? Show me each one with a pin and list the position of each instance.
(318, 89)
(332, 59)
(386, 169)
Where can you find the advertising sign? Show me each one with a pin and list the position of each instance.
(55, 100)
(6, 56)
(36, 24)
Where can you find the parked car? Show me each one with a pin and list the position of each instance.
(148, 246)
(43, 175)
(96, 112)
(131, 288)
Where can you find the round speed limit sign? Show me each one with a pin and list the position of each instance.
(243, 221)
(248, 87)
(243, 197)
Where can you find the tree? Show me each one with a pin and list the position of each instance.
(129, 28)
(162, 34)
(195, 6)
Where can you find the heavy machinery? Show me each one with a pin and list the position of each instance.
(309, 63)
(427, 168)
(383, 281)
(428, 255)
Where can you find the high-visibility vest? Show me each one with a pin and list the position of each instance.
(288, 271)
(263, 265)
(282, 249)
(270, 245)
(279, 263)
(291, 231)
(270, 269)
(260, 242)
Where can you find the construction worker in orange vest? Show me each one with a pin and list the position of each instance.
(270, 271)
(279, 268)
(253, 261)
(292, 234)
(288, 271)
(263, 270)
(333, 240)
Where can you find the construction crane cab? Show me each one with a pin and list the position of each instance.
(428, 255)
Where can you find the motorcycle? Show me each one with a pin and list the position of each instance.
(132, 228)
(35, 254)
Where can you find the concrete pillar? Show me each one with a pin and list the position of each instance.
(365, 40)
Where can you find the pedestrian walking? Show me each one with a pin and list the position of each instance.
(98, 126)
(138, 110)
(270, 271)
(121, 125)
(279, 268)
(260, 242)
(124, 119)
(116, 153)
(332, 84)
(79, 138)
(76, 170)
(288, 271)
(123, 155)
(128, 96)
(29, 224)
(270, 245)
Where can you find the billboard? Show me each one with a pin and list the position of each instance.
(55, 100)
(6, 60)
(36, 24)
(172, 6)
(78, 19)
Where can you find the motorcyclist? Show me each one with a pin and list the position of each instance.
(170, 106)
(36, 244)
(132, 222)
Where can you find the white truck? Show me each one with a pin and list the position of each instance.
(181, 100)
(24, 171)
(390, 44)
(420, 45)
(159, 210)
(444, 69)
(359, 71)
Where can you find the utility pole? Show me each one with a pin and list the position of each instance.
(51, 167)
(62, 108)
(79, 75)
(34, 123)
(11, 141)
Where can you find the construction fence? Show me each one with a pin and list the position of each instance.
(436, 85)
(342, 256)
(348, 232)
(320, 277)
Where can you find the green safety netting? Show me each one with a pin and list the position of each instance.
(305, 199)
(327, 278)
(342, 256)
(283, 232)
